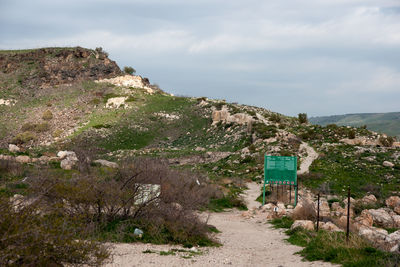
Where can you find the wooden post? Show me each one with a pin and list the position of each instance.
(348, 215)
(318, 213)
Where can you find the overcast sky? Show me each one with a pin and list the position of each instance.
(322, 57)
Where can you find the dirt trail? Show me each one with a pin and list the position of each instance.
(246, 242)
(306, 162)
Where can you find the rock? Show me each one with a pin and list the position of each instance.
(268, 206)
(224, 116)
(13, 148)
(245, 150)
(397, 210)
(138, 232)
(65, 154)
(388, 164)
(329, 226)
(116, 102)
(226, 181)
(393, 201)
(365, 219)
(396, 221)
(130, 81)
(395, 236)
(305, 224)
(369, 199)
(23, 159)
(395, 248)
(381, 217)
(280, 205)
(106, 163)
(352, 201)
(44, 159)
(67, 164)
(375, 235)
(324, 210)
(200, 149)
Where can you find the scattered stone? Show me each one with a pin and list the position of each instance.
(388, 164)
(13, 148)
(305, 224)
(65, 154)
(106, 163)
(200, 149)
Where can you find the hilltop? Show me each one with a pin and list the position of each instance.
(388, 123)
(71, 119)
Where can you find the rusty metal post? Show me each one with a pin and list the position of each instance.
(318, 213)
(348, 215)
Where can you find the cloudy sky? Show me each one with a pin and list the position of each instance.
(322, 57)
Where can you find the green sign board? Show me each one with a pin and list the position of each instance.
(280, 170)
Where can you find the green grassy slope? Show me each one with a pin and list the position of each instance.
(388, 123)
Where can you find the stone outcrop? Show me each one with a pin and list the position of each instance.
(224, 116)
(393, 201)
(369, 199)
(53, 66)
(130, 81)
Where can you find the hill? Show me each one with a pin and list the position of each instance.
(388, 123)
(119, 155)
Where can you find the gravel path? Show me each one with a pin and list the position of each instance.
(246, 242)
(311, 156)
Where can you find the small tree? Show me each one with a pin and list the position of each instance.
(129, 70)
(303, 118)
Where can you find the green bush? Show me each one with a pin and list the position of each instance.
(24, 137)
(35, 127)
(47, 115)
(129, 70)
(303, 117)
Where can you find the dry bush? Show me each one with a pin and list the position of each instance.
(30, 237)
(306, 211)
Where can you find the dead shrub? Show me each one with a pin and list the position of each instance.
(47, 115)
(31, 238)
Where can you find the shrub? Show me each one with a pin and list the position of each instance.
(129, 70)
(275, 118)
(31, 238)
(57, 133)
(386, 141)
(264, 131)
(24, 137)
(47, 115)
(40, 127)
(302, 118)
(352, 134)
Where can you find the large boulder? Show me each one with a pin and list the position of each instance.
(305, 224)
(375, 235)
(364, 220)
(13, 148)
(65, 154)
(381, 217)
(369, 199)
(393, 201)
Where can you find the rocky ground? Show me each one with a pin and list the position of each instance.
(245, 242)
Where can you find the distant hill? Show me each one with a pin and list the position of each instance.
(388, 123)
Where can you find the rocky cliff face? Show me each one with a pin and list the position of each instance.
(53, 66)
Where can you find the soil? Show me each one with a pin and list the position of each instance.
(245, 242)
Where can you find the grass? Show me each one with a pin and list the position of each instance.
(332, 247)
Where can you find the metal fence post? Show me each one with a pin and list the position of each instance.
(348, 215)
(318, 213)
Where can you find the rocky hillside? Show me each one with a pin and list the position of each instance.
(23, 72)
(74, 104)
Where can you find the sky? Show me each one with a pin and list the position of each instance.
(320, 57)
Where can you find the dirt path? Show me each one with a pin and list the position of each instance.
(246, 242)
(306, 162)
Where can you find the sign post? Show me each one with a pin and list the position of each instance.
(280, 170)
